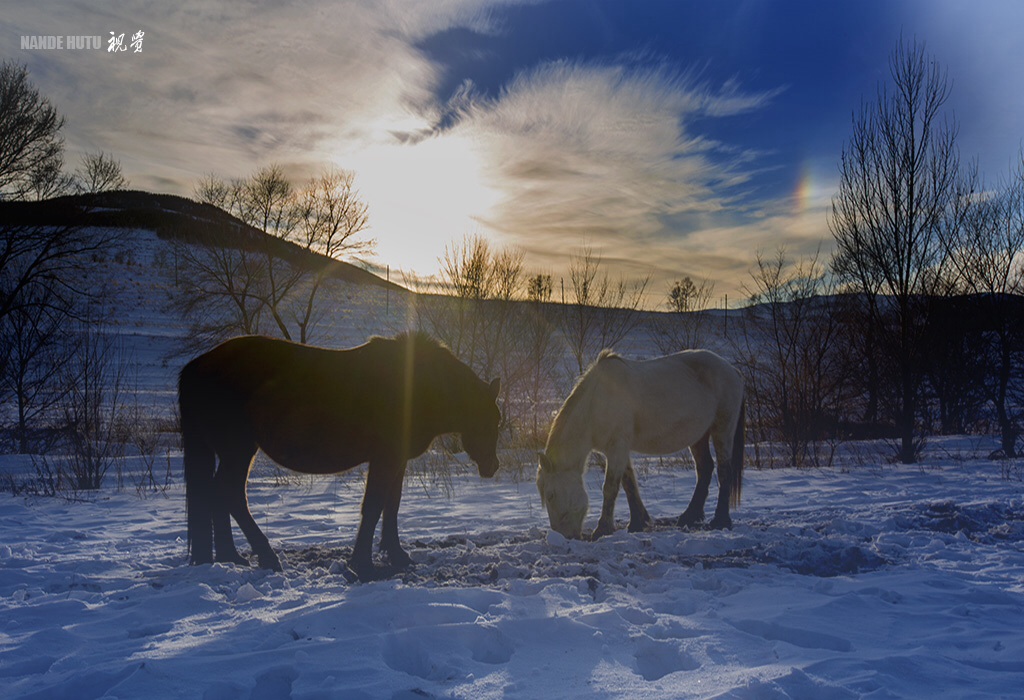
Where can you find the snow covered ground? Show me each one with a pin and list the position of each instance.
(872, 581)
(862, 580)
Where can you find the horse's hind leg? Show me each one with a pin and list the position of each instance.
(200, 463)
(639, 518)
(722, 519)
(694, 513)
(389, 542)
(231, 479)
(223, 541)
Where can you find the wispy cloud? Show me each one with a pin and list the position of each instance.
(602, 153)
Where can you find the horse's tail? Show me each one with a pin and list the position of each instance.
(200, 463)
(738, 445)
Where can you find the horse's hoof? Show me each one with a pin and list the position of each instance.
(689, 521)
(642, 524)
(399, 560)
(269, 561)
(357, 576)
(374, 573)
(362, 573)
(600, 532)
(197, 556)
(720, 523)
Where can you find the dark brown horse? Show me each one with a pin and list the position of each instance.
(321, 411)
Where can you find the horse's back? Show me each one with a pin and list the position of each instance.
(712, 371)
(691, 372)
(307, 407)
(672, 401)
(249, 365)
(247, 361)
(234, 366)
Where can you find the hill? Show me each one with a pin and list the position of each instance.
(172, 218)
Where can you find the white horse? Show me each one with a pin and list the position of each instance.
(656, 406)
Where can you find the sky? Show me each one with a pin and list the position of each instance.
(671, 137)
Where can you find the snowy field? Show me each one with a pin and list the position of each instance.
(861, 580)
(872, 581)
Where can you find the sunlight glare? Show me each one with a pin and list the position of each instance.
(422, 196)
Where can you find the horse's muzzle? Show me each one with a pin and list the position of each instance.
(488, 467)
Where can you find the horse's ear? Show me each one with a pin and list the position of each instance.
(495, 386)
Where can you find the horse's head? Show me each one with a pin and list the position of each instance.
(480, 437)
(564, 496)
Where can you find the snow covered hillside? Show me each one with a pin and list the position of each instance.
(862, 580)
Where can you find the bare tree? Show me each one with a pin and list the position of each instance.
(331, 217)
(230, 285)
(536, 335)
(221, 292)
(466, 268)
(788, 347)
(601, 313)
(477, 322)
(211, 189)
(986, 253)
(484, 322)
(898, 189)
(41, 266)
(49, 180)
(267, 202)
(683, 325)
(685, 295)
(539, 288)
(31, 147)
(95, 406)
(99, 172)
(31, 158)
(254, 279)
(34, 348)
(466, 277)
(957, 366)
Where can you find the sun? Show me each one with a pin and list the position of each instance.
(421, 196)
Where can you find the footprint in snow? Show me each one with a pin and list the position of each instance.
(655, 660)
(447, 652)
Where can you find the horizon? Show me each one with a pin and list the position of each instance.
(675, 139)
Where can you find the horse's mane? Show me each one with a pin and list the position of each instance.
(429, 349)
(568, 415)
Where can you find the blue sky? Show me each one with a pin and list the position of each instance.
(672, 137)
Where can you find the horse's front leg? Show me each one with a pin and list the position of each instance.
(617, 463)
(389, 527)
(378, 479)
